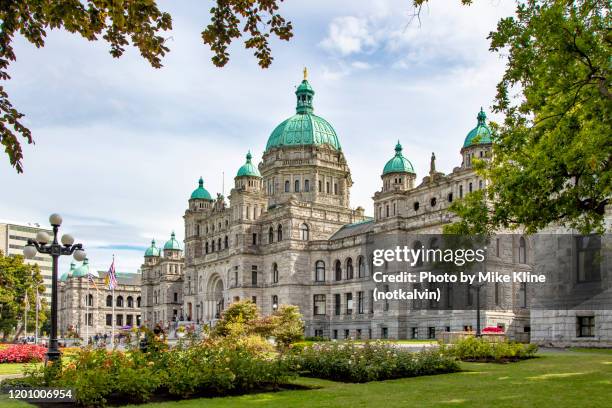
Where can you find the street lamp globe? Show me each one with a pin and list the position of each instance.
(80, 255)
(55, 220)
(67, 240)
(29, 251)
(42, 237)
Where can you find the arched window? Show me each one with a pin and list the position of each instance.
(130, 301)
(461, 191)
(522, 250)
(306, 186)
(138, 301)
(212, 246)
(279, 233)
(274, 302)
(89, 300)
(297, 186)
(349, 269)
(361, 267)
(206, 247)
(320, 271)
(418, 246)
(274, 273)
(286, 186)
(470, 187)
(304, 232)
(219, 244)
(416, 206)
(119, 301)
(338, 270)
(109, 301)
(226, 242)
(270, 235)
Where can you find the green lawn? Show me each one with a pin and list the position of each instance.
(561, 379)
(12, 368)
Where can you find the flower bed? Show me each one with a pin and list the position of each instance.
(372, 361)
(22, 353)
(480, 350)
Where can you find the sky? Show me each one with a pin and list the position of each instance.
(120, 145)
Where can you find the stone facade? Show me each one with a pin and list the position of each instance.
(162, 286)
(289, 236)
(78, 298)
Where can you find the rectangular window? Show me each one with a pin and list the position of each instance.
(414, 333)
(371, 301)
(319, 305)
(523, 294)
(588, 249)
(431, 332)
(129, 320)
(318, 332)
(109, 319)
(497, 247)
(337, 305)
(320, 188)
(306, 186)
(386, 304)
(349, 303)
(89, 319)
(384, 333)
(119, 320)
(254, 299)
(254, 275)
(497, 290)
(236, 275)
(358, 334)
(254, 239)
(327, 187)
(175, 297)
(347, 334)
(585, 326)
(335, 332)
(360, 302)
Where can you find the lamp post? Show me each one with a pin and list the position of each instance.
(55, 249)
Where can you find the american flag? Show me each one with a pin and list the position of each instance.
(112, 277)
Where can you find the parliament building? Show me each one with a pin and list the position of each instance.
(288, 235)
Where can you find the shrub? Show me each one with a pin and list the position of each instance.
(479, 349)
(22, 353)
(221, 365)
(238, 313)
(351, 362)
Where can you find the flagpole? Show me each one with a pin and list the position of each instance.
(37, 306)
(87, 315)
(113, 297)
(27, 309)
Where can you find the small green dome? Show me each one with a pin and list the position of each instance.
(304, 128)
(481, 134)
(200, 193)
(82, 270)
(152, 250)
(68, 274)
(398, 164)
(248, 169)
(173, 244)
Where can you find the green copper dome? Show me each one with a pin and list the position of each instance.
(304, 128)
(200, 193)
(68, 274)
(398, 164)
(248, 169)
(152, 250)
(82, 270)
(481, 134)
(173, 244)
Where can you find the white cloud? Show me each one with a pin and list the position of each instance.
(349, 35)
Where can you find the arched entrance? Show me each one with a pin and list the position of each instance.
(214, 303)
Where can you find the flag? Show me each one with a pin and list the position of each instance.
(92, 279)
(111, 277)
